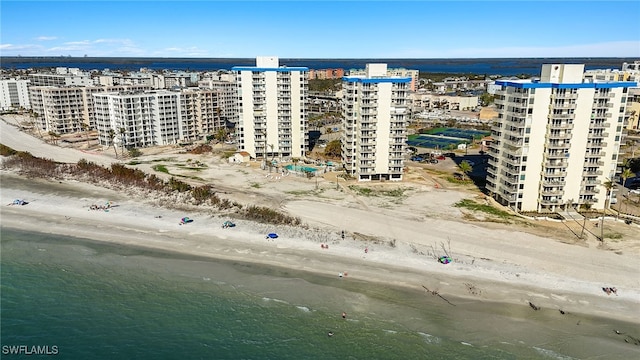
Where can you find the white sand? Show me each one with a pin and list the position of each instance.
(492, 262)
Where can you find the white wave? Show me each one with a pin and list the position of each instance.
(430, 339)
(552, 354)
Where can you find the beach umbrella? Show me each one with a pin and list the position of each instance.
(186, 220)
(272, 236)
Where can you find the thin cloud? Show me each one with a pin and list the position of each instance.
(78, 43)
(12, 47)
(46, 38)
(192, 51)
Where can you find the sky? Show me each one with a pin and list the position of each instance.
(320, 29)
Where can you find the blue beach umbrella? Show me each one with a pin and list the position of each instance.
(272, 236)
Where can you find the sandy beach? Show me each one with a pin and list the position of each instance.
(391, 240)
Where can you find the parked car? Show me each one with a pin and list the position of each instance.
(417, 158)
(451, 155)
(433, 161)
(635, 191)
(441, 157)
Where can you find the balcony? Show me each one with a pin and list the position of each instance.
(555, 155)
(592, 173)
(552, 201)
(590, 182)
(563, 96)
(593, 163)
(559, 136)
(590, 191)
(553, 192)
(553, 182)
(553, 174)
(555, 164)
(559, 126)
(561, 116)
(558, 145)
(602, 106)
(597, 145)
(590, 156)
(513, 142)
(562, 106)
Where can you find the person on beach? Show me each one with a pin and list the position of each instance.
(344, 315)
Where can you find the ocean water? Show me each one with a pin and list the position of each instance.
(498, 66)
(88, 300)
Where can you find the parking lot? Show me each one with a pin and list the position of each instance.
(449, 161)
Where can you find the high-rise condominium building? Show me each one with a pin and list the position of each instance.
(14, 94)
(68, 109)
(556, 140)
(375, 110)
(147, 118)
(62, 77)
(158, 117)
(272, 117)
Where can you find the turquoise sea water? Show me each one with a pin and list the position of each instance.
(97, 301)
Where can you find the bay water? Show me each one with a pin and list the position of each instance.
(90, 300)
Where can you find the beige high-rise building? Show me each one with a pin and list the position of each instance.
(271, 118)
(156, 117)
(375, 110)
(556, 140)
(14, 94)
(64, 109)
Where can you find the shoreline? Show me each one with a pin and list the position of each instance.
(134, 223)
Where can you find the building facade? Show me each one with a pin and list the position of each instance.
(414, 75)
(375, 111)
(271, 119)
(68, 109)
(61, 77)
(556, 140)
(14, 94)
(147, 118)
(156, 117)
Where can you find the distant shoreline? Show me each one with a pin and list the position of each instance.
(489, 66)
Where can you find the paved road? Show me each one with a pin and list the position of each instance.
(12, 137)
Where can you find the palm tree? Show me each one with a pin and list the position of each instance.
(85, 129)
(465, 167)
(112, 135)
(54, 137)
(273, 154)
(608, 185)
(35, 121)
(122, 132)
(221, 135)
(626, 173)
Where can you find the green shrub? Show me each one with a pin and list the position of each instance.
(6, 151)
